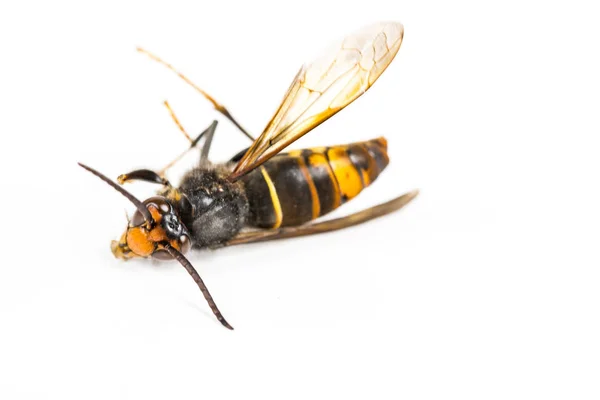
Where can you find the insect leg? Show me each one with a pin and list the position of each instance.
(208, 133)
(325, 226)
(218, 106)
(176, 120)
(193, 142)
(145, 175)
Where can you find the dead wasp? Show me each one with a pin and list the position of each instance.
(262, 194)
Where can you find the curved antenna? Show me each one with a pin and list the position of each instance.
(192, 271)
(138, 204)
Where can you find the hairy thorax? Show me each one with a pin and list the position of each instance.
(219, 207)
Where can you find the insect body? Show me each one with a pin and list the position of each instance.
(262, 194)
(295, 188)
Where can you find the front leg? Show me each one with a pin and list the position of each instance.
(150, 176)
(144, 175)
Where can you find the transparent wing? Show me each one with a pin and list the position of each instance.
(324, 87)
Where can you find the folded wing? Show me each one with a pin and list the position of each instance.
(324, 87)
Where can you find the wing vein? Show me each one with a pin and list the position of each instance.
(324, 87)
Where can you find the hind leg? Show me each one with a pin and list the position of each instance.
(218, 106)
(159, 177)
(325, 226)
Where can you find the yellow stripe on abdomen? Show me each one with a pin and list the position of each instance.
(274, 198)
(319, 160)
(348, 177)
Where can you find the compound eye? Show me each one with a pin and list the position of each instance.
(137, 219)
(158, 202)
(162, 255)
(185, 244)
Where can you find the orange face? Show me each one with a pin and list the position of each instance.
(142, 240)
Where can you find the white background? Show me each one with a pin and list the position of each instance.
(485, 287)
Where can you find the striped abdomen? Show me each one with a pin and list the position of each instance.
(299, 186)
